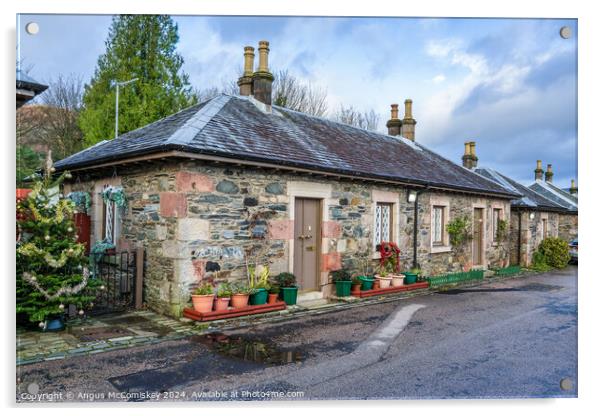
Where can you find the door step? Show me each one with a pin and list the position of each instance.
(309, 296)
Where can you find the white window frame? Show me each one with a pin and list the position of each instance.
(441, 240)
(385, 197)
(443, 202)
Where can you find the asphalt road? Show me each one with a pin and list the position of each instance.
(508, 339)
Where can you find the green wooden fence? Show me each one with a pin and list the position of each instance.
(447, 279)
(508, 271)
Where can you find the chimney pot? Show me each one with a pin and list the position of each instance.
(469, 160)
(245, 82)
(538, 171)
(549, 174)
(408, 124)
(262, 78)
(573, 189)
(394, 124)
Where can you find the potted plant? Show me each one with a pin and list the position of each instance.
(258, 283)
(383, 276)
(356, 284)
(342, 280)
(288, 288)
(240, 295)
(397, 279)
(412, 275)
(224, 292)
(202, 298)
(273, 293)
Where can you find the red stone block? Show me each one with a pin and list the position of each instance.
(331, 261)
(199, 269)
(194, 182)
(173, 204)
(281, 229)
(331, 229)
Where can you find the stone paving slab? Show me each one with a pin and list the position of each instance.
(151, 328)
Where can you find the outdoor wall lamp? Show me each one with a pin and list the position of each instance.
(412, 195)
(531, 215)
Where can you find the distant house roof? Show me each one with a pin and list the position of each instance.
(529, 198)
(27, 87)
(239, 128)
(555, 194)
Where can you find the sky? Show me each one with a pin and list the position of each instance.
(508, 84)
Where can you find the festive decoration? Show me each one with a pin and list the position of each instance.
(81, 200)
(114, 194)
(51, 270)
(100, 248)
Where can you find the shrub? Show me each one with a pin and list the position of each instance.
(555, 252)
(286, 279)
(341, 275)
(538, 262)
(459, 231)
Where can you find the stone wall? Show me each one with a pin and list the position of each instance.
(568, 226)
(191, 216)
(532, 233)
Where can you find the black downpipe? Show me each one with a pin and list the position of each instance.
(415, 259)
(520, 232)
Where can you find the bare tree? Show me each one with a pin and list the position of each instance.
(60, 109)
(290, 92)
(367, 120)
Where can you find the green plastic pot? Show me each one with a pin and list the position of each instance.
(410, 278)
(259, 298)
(343, 288)
(367, 282)
(289, 295)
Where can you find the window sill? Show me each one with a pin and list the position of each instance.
(440, 249)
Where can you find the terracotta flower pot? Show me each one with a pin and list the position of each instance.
(239, 300)
(384, 282)
(356, 288)
(221, 304)
(272, 298)
(397, 280)
(376, 284)
(202, 303)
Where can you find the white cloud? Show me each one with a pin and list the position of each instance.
(437, 79)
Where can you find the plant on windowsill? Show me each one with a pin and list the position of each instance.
(342, 281)
(288, 288)
(202, 298)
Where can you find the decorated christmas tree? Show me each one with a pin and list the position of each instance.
(52, 268)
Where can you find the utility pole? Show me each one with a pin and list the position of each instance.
(118, 84)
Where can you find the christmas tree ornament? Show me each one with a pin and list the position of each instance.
(70, 229)
(61, 306)
(41, 325)
(81, 312)
(102, 287)
(46, 237)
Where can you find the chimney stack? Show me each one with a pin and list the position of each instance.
(549, 174)
(394, 125)
(573, 189)
(408, 124)
(262, 78)
(469, 160)
(538, 171)
(245, 82)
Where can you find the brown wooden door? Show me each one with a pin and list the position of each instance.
(477, 241)
(307, 242)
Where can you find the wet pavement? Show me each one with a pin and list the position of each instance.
(511, 338)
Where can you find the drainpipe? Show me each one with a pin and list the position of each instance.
(415, 244)
(520, 232)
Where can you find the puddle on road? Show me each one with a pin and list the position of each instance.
(531, 287)
(247, 349)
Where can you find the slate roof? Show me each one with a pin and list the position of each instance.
(24, 81)
(530, 198)
(555, 194)
(237, 127)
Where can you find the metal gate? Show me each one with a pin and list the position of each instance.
(121, 276)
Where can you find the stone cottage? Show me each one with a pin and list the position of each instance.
(237, 180)
(568, 220)
(534, 216)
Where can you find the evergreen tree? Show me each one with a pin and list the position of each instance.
(51, 266)
(143, 47)
(28, 161)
